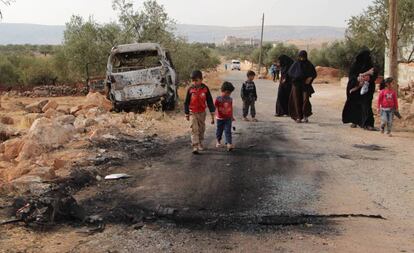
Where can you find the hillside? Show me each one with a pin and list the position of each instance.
(44, 34)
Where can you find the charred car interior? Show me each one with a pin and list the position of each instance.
(141, 74)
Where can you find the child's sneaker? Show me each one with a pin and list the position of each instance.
(305, 120)
(195, 151)
(245, 119)
(389, 134)
(254, 120)
(230, 147)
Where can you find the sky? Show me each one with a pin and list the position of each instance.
(206, 12)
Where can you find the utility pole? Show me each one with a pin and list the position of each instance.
(393, 40)
(261, 47)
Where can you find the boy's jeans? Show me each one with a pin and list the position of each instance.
(198, 127)
(224, 125)
(387, 116)
(247, 103)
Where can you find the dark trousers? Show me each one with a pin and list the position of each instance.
(249, 104)
(224, 125)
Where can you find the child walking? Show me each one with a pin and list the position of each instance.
(387, 105)
(224, 115)
(249, 96)
(196, 102)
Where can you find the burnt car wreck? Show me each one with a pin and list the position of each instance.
(141, 74)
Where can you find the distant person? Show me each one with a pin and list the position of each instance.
(225, 66)
(387, 105)
(272, 71)
(224, 116)
(285, 86)
(302, 73)
(249, 96)
(196, 102)
(360, 93)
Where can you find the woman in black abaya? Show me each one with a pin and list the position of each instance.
(285, 86)
(358, 108)
(302, 73)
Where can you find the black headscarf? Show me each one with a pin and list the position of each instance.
(363, 63)
(285, 63)
(302, 68)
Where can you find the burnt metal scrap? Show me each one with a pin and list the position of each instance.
(48, 210)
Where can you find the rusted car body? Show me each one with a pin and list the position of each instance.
(141, 74)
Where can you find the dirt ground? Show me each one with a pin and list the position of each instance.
(317, 187)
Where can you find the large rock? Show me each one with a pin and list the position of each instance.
(36, 107)
(50, 105)
(21, 169)
(46, 134)
(97, 100)
(12, 148)
(65, 120)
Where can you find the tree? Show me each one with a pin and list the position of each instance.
(87, 45)
(371, 27)
(5, 2)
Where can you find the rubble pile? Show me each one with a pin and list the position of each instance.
(58, 138)
(51, 91)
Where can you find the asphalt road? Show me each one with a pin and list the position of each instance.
(323, 178)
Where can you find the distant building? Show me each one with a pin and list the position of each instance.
(234, 41)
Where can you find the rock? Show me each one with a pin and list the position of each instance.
(95, 112)
(20, 170)
(29, 150)
(36, 107)
(63, 109)
(7, 120)
(82, 122)
(52, 113)
(12, 148)
(50, 105)
(65, 120)
(46, 134)
(75, 109)
(45, 173)
(97, 100)
(30, 184)
(103, 134)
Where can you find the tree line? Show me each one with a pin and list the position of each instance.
(87, 44)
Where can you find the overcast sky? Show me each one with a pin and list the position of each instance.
(206, 12)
